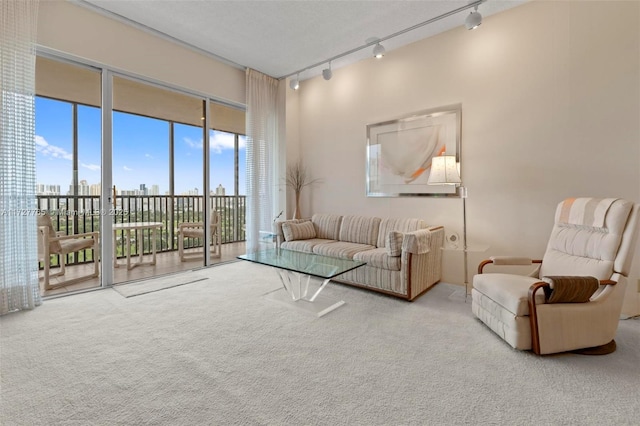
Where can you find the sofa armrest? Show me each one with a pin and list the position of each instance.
(277, 230)
(422, 260)
(417, 242)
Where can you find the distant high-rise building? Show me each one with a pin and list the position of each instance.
(44, 189)
(94, 189)
(155, 190)
(220, 190)
(143, 189)
(83, 188)
(193, 191)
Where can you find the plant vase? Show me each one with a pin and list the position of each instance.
(296, 212)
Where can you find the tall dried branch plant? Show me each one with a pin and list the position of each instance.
(297, 179)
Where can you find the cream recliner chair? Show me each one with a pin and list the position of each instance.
(590, 237)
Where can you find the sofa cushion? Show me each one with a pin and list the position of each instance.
(304, 245)
(393, 244)
(341, 249)
(327, 225)
(402, 225)
(379, 258)
(298, 231)
(277, 225)
(360, 229)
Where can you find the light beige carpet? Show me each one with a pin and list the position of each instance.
(217, 352)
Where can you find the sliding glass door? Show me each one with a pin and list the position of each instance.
(157, 171)
(68, 140)
(152, 172)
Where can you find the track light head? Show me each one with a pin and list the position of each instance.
(474, 20)
(378, 51)
(294, 83)
(327, 73)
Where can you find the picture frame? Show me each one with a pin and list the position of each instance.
(399, 152)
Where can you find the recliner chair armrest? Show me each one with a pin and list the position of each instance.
(507, 260)
(533, 311)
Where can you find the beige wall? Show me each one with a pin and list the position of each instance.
(551, 106)
(75, 30)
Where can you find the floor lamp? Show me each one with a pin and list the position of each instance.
(444, 171)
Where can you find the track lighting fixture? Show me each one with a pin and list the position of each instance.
(474, 20)
(327, 73)
(295, 83)
(378, 51)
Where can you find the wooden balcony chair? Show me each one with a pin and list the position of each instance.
(582, 275)
(196, 230)
(51, 243)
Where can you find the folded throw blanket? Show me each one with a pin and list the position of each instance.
(570, 289)
(585, 211)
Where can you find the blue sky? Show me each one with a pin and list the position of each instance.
(140, 151)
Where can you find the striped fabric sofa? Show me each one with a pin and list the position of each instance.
(403, 256)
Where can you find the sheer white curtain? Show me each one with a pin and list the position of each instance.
(262, 143)
(18, 252)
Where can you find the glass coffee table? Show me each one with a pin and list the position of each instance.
(299, 273)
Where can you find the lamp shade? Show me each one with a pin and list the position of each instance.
(444, 171)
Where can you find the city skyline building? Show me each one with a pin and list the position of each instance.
(47, 189)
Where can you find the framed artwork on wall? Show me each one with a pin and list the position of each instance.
(399, 152)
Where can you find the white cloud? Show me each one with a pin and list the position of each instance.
(41, 141)
(127, 169)
(192, 143)
(93, 167)
(44, 148)
(217, 142)
(148, 155)
(220, 141)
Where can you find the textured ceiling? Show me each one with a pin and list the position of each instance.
(279, 38)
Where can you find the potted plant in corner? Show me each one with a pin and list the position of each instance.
(297, 179)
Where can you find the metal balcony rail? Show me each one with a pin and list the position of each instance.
(76, 214)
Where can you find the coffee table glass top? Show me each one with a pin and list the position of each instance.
(305, 263)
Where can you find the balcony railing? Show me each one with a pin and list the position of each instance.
(83, 213)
